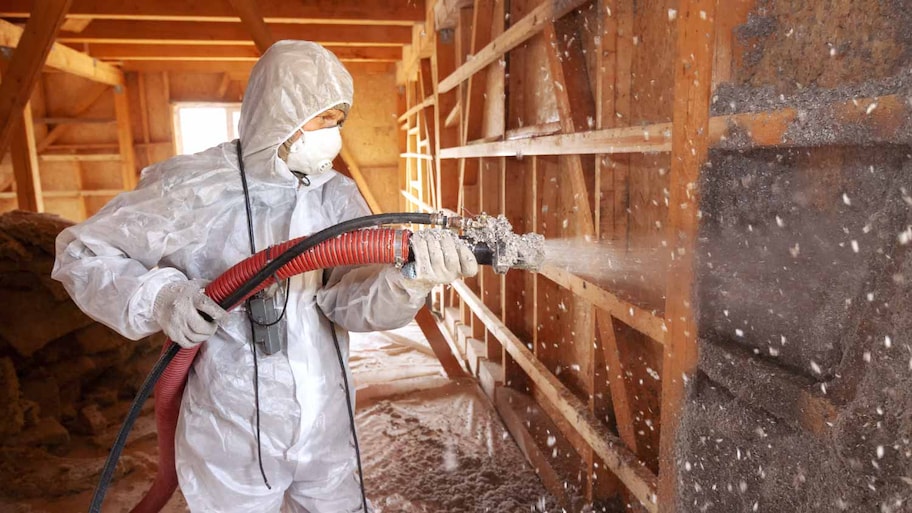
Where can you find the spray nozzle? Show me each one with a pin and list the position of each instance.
(494, 243)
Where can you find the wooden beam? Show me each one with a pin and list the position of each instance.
(624, 464)
(385, 12)
(882, 117)
(25, 163)
(80, 157)
(652, 138)
(224, 52)
(252, 18)
(432, 332)
(217, 33)
(128, 171)
(66, 59)
(518, 33)
(75, 121)
(21, 75)
(239, 70)
(85, 103)
(690, 148)
(358, 176)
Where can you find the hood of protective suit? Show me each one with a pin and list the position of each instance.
(290, 84)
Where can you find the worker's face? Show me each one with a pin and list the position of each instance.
(326, 119)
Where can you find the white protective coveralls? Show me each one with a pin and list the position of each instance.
(186, 219)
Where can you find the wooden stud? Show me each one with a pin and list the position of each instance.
(690, 147)
(21, 75)
(63, 58)
(518, 33)
(128, 171)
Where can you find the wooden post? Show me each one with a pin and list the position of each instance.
(690, 146)
(25, 164)
(25, 66)
(125, 138)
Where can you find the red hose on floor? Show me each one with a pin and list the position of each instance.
(367, 246)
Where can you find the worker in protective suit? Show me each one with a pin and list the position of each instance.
(140, 264)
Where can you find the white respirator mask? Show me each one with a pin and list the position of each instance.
(314, 151)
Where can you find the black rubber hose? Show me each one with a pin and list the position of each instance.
(141, 396)
(266, 272)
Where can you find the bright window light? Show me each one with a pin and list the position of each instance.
(202, 126)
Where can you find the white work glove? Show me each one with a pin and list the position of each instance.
(177, 310)
(440, 257)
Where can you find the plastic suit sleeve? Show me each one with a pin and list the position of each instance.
(98, 264)
(367, 298)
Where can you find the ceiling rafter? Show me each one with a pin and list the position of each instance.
(214, 33)
(382, 12)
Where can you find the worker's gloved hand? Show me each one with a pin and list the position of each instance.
(177, 310)
(440, 257)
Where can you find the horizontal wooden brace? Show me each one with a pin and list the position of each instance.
(653, 138)
(221, 33)
(417, 108)
(69, 194)
(412, 155)
(66, 59)
(74, 121)
(74, 157)
(237, 52)
(881, 119)
(326, 11)
(514, 36)
(629, 469)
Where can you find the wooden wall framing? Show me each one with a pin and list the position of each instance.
(546, 133)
